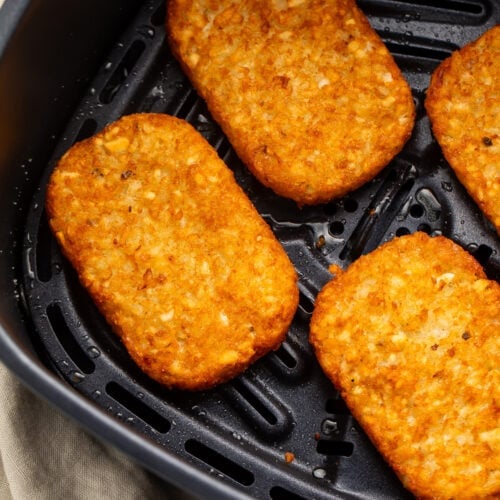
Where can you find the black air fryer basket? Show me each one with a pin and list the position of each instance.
(69, 68)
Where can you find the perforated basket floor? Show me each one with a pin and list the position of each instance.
(241, 431)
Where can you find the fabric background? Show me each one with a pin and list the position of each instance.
(46, 456)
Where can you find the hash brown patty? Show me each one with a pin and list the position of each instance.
(409, 335)
(172, 251)
(305, 90)
(463, 104)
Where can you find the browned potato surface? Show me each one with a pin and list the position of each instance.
(305, 90)
(463, 104)
(180, 263)
(409, 334)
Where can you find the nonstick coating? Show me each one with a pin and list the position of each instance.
(242, 432)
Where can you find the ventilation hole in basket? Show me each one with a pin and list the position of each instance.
(330, 209)
(305, 304)
(425, 228)
(256, 401)
(43, 250)
(483, 254)
(417, 51)
(185, 104)
(417, 101)
(390, 196)
(336, 228)
(285, 355)
(337, 448)
(416, 211)
(350, 205)
(222, 145)
(279, 493)
(138, 407)
(65, 336)
(88, 128)
(468, 7)
(219, 462)
(337, 406)
(400, 8)
(122, 72)
(401, 231)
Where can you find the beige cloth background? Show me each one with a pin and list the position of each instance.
(45, 456)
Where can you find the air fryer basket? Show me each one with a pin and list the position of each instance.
(280, 430)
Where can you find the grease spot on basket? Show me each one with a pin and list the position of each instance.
(76, 377)
(319, 473)
(93, 352)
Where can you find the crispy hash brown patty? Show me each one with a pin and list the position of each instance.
(463, 104)
(171, 250)
(306, 91)
(409, 334)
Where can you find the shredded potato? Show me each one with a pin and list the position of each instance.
(306, 91)
(171, 250)
(463, 104)
(409, 334)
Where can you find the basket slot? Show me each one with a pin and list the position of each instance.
(337, 448)
(462, 6)
(306, 303)
(417, 51)
(88, 128)
(483, 254)
(279, 493)
(219, 462)
(43, 254)
(183, 105)
(122, 71)
(286, 356)
(254, 399)
(381, 212)
(64, 335)
(138, 407)
(488, 258)
(265, 414)
(337, 406)
(452, 11)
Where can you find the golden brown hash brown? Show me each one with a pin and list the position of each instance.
(305, 90)
(463, 104)
(172, 251)
(409, 334)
